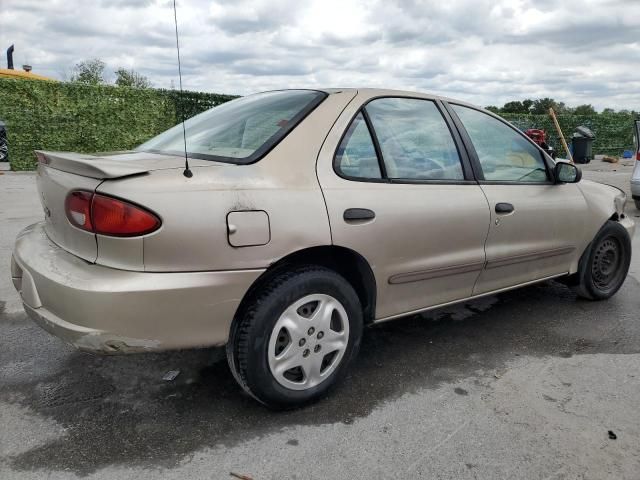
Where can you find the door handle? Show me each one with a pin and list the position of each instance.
(358, 214)
(504, 207)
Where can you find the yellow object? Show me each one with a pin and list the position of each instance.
(7, 73)
(564, 142)
(522, 159)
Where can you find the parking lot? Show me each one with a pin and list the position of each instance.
(525, 384)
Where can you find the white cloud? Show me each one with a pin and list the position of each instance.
(483, 51)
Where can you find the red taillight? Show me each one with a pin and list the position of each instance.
(109, 216)
(78, 208)
(638, 156)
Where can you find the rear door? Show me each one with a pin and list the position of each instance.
(536, 225)
(400, 193)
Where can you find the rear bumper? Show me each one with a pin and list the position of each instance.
(106, 310)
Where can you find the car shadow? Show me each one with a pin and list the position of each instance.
(119, 410)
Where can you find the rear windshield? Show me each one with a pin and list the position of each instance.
(239, 131)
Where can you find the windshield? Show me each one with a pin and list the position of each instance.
(239, 131)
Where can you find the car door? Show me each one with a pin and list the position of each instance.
(400, 192)
(536, 224)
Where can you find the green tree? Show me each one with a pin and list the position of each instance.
(493, 108)
(608, 111)
(584, 110)
(89, 71)
(513, 107)
(518, 106)
(542, 105)
(131, 78)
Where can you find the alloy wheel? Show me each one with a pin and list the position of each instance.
(308, 342)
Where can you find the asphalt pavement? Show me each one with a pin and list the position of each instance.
(526, 384)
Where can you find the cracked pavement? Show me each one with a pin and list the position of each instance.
(525, 384)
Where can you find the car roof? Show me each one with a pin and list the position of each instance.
(388, 92)
(372, 93)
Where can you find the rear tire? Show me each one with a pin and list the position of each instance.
(294, 338)
(604, 266)
(637, 202)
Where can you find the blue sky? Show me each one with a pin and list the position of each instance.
(485, 52)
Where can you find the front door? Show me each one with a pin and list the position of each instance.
(536, 225)
(400, 193)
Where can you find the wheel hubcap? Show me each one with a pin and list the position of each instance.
(606, 263)
(308, 342)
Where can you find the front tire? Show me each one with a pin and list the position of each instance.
(294, 338)
(604, 266)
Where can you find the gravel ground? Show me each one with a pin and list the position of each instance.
(525, 384)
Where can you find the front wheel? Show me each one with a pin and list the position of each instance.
(604, 266)
(294, 338)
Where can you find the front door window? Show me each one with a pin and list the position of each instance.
(504, 154)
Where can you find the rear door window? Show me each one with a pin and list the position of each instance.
(414, 139)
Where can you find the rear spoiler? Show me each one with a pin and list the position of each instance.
(93, 166)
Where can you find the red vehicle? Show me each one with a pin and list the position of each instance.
(540, 137)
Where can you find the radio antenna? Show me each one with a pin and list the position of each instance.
(187, 172)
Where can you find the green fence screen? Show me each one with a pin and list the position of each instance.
(614, 131)
(85, 118)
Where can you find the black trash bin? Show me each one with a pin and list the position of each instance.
(4, 144)
(582, 142)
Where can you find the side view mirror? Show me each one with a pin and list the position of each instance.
(567, 173)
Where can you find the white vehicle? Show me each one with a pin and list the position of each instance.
(635, 177)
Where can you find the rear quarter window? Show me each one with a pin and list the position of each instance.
(356, 156)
